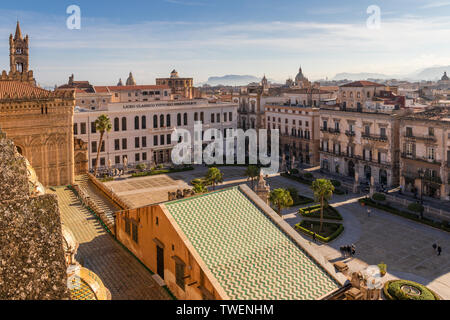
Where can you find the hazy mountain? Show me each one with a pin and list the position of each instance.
(232, 80)
(431, 73)
(360, 76)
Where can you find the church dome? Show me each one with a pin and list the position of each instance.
(300, 77)
(445, 77)
(130, 80)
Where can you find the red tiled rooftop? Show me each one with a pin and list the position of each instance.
(13, 89)
(358, 84)
(100, 89)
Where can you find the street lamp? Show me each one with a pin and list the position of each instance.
(421, 175)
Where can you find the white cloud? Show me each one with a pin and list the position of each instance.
(105, 49)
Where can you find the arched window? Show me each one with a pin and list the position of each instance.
(179, 119)
(202, 116)
(161, 121)
(212, 117)
(144, 122)
(155, 121)
(116, 124)
(136, 123)
(124, 124)
(168, 120)
(196, 116)
(185, 119)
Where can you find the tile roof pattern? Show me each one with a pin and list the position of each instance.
(250, 256)
(100, 89)
(361, 84)
(17, 89)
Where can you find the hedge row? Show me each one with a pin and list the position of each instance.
(158, 172)
(314, 212)
(393, 291)
(319, 237)
(298, 179)
(405, 214)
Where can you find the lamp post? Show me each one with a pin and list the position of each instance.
(421, 174)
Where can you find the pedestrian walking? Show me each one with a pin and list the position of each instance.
(368, 213)
(314, 237)
(439, 250)
(434, 246)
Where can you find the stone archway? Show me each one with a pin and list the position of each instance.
(351, 169)
(367, 172)
(383, 177)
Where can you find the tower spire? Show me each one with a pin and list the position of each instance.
(18, 32)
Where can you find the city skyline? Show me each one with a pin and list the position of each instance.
(214, 38)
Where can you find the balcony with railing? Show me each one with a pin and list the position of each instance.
(421, 159)
(330, 130)
(374, 137)
(425, 137)
(350, 133)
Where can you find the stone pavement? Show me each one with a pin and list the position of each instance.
(404, 245)
(120, 272)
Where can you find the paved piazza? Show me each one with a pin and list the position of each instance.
(405, 246)
(120, 272)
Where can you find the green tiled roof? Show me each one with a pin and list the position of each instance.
(250, 256)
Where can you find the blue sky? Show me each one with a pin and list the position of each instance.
(202, 38)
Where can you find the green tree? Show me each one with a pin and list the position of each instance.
(102, 125)
(252, 172)
(323, 191)
(214, 177)
(281, 198)
(200, 188)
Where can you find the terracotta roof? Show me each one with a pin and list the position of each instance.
(361, 84)
(16, 89)
(99, 89)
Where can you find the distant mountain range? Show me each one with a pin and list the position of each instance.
(232, 80)
(429, 74)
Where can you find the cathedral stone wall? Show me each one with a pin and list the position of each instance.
(32, 262)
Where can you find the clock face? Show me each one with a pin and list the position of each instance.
(19, 50)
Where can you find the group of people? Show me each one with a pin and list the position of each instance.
(437, 248)
(348, 251)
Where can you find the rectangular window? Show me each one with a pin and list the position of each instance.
(83, 128)
(144, 156)
(137, 157)
(102, 162)
(93, 128)
(169, 139)
(155, 140)
(116, 144)
(124, 144)
(230, 116)
(117, 160)
(179, 273)
(136, 142)
(94, 146)
(135, 232)
(383, 132)
(75, 129)
(144, 142)
(431, 132)
(102, 149)
(409, 132)
(225, 117)
(127, 226)
(162, 140)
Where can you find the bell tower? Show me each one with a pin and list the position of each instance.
(18, 52)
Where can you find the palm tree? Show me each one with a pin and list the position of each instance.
(252, 172)
(102, 125)
(213, 177)
(323, 191)
(281, 198)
